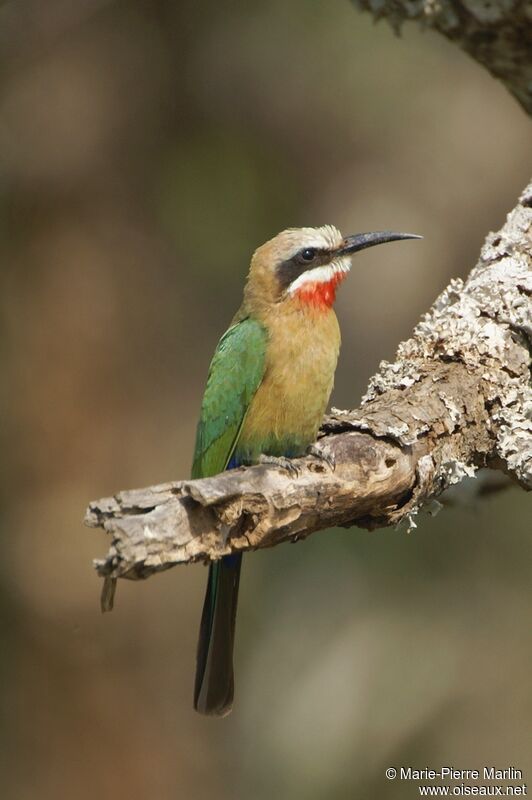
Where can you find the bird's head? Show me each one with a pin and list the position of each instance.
(307, 264)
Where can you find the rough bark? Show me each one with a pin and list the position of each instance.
(497, 33)
(458, 397)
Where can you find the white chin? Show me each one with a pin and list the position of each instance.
(323, 274)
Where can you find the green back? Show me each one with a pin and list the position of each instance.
(236, 371)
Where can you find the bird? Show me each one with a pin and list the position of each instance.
(267, 389)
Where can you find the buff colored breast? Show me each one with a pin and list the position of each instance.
(286, 412)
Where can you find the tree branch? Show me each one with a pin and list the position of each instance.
(457, 398)
(497, 33)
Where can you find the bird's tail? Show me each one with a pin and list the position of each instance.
(214, 685)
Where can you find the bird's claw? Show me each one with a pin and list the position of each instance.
(281, 463)
(322, 455)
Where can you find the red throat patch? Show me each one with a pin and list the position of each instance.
(320, 294)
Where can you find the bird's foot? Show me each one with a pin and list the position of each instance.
(322, 455)
(282, 463)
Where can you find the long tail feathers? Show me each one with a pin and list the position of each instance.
(214, 686)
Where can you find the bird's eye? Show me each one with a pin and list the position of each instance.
(308, 254)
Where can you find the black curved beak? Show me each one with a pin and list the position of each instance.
(359, 241)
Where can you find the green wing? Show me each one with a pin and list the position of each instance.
(236, 370)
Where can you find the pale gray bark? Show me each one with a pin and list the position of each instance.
(457, 398)
(497, 33)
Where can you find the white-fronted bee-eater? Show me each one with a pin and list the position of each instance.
(267, 390)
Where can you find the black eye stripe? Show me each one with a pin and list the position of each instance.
(292, 268)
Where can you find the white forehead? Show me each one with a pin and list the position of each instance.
(327, 237)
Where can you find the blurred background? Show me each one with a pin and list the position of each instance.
(147, 148)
